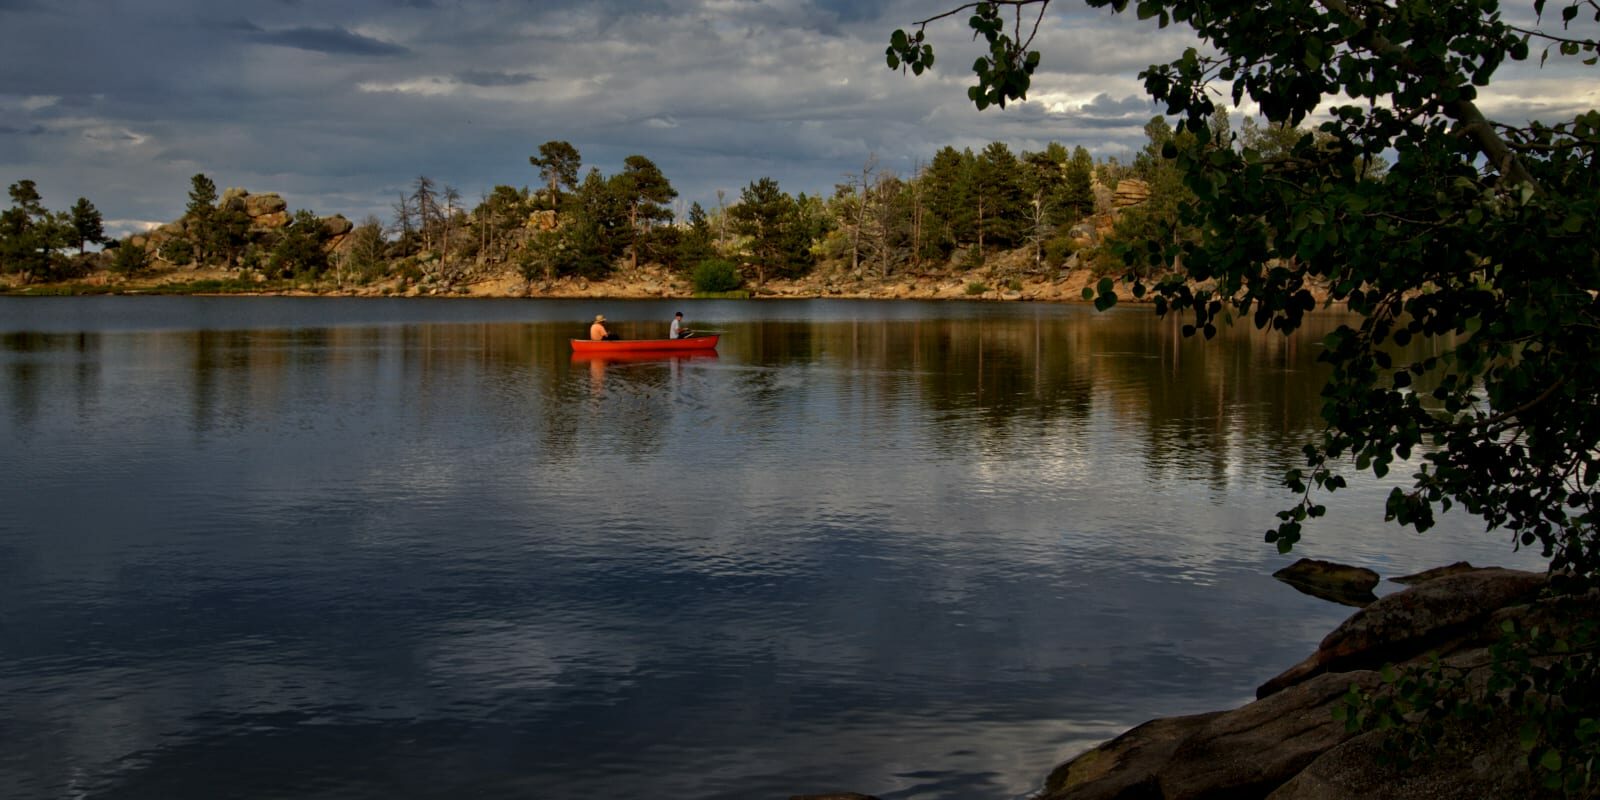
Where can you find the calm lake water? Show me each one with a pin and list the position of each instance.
(336, 548)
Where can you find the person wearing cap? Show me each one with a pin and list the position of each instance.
(598, 332)
(678, 331)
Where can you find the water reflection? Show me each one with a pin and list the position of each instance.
(918, 550)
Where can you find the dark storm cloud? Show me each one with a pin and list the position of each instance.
(1105, 112)
(31, 130)
(335, 41)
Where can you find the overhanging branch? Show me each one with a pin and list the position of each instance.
(1469, 120)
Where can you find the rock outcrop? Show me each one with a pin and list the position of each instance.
(266, 214)
(1130, 192)
(1436, 615)
(1287, 745)
(1347, 585)
(1437, 572)
(263, 205)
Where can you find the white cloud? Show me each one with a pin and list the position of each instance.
(125, 227)
(36, 102)
(427, 87)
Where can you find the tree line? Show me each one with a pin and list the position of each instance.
(36, 242)
(953, 212)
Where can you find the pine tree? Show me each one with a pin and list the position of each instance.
(87, 225)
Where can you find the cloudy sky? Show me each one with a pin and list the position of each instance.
(340, 104)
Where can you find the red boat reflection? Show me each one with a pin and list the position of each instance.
(643, 355)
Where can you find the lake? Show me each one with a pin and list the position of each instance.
(354, 548)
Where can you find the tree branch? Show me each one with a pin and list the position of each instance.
(1470, 122)
(1018, 4)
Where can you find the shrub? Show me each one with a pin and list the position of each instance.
(972, 258)
(130, 260)
(715, 275)
(408, 271)
(298, 252)
(1059, 248)
(1104, 261)
(977, 287)
(177, 252)
(71, 267)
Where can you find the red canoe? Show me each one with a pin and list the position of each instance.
(691, 344)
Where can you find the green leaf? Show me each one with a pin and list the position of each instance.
(1550, 761)
(1528, 735)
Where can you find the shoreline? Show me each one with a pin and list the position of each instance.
(1054, 286)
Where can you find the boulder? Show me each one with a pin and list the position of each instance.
(337, 225)
(1251, 750)
(1341, 583)
(232, 199)
(1408, 623)
(154, 238)
(1246, 752)
(542, 220)
(1437, 572)
(260, 205)
(1287, 745)
(1130, 192)
(269, 222)
(1471, 761)
(1126, 766)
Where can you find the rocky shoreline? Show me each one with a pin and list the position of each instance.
(986, 283)
(1288, 745)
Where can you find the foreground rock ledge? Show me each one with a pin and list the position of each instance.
(1287, 746)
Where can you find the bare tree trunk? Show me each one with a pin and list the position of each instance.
(722, 221)
(862, 197)
(980, 224)
(915, 187)
(633, 238)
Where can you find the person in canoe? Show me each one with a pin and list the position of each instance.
(678, 331)
(598, 332)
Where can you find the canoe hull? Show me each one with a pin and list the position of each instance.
(618, 346)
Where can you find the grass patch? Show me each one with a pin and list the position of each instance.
(211, 286)
(60, 290)
(203, 286)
